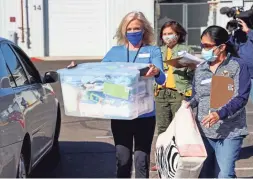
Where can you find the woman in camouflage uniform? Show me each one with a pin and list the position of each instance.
(178, 86)
(168, 97)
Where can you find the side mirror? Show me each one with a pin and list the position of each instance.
(5, 83)
(50, 77)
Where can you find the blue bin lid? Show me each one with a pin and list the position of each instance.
(121, 68)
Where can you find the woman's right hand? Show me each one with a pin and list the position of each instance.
(72, 64)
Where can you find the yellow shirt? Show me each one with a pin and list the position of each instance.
(170, 82)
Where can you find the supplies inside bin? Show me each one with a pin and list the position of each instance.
(107, 90)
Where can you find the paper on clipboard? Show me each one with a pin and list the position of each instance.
(184, 59)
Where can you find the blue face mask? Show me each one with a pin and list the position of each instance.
(208, 55)
(134, 37)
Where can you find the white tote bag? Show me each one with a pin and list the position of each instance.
(180, 151)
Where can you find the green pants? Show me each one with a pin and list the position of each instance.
(167, 102)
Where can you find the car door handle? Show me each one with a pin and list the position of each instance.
(42, 99)
(24, 102)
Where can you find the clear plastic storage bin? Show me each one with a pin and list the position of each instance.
(111, 90)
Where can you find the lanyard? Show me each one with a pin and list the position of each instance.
(135, 55)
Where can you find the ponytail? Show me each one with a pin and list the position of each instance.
(230, 48)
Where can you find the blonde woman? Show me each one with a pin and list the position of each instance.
(135, 36)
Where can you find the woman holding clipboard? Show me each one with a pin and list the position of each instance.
(223, 127)
(169, 96)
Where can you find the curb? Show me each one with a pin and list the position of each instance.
(34, 59)
(69, 58)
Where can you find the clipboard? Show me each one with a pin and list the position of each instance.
(222, 91)
(184, 59)
(175, 62)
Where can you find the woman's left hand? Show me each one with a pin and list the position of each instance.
(211, 119)
(153, 71)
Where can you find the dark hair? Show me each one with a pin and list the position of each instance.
(175, 26)
(220, 36)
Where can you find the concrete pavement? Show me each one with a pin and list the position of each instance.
(87, 149)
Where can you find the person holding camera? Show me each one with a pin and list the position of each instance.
(242, 39)
(241, 33)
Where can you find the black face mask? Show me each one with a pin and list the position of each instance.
(241, 37)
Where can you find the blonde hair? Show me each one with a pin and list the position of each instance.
(148, 36)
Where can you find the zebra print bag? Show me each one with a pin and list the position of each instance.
(180, 151)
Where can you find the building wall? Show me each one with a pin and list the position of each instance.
(30, 31)
(119, 8)
(90, 25)
(35, 39)
(36, 23)
(192, 16)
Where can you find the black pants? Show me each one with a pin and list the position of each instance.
(141, 132)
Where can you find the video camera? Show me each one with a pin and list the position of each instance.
(238, 12)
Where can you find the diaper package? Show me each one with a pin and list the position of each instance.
(111, 90)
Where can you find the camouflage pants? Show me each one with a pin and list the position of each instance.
(167, 102)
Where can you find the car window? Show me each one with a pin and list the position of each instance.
(17, 71)
(3, 70)
(4, 73)
(33, 74)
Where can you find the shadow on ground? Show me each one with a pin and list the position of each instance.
(79, 160)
